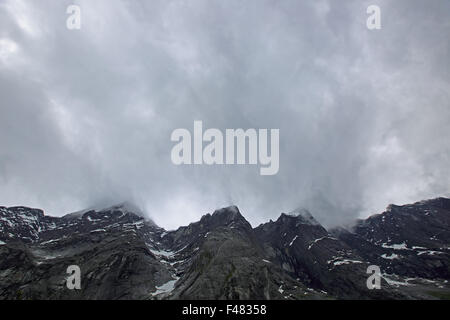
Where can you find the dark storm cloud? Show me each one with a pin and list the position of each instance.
(86, 115)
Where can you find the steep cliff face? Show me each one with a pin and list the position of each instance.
(108, 245)
(122, 255)
(411, 241)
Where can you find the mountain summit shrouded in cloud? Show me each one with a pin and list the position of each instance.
(86, 115)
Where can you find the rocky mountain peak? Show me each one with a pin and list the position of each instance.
(227, 216)
(117, 211)
(19, 210)
(304, 216)
(126, 207)
(229, 213)
(298, 217)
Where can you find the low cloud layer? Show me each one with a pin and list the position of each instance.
(86, 115)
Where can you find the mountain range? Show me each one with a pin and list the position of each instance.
(124, 255)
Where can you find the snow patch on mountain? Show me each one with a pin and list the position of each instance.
(293, 240)
(166, 288)
(319, 239)
(400, 246)
(390, 257)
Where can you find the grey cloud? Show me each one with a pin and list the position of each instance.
(86, 116)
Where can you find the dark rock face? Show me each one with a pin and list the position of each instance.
(124, 256)
(306, 251)
(411, 241)
(109, 246)
(227, 262)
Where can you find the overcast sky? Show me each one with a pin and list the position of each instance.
(86, 115)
